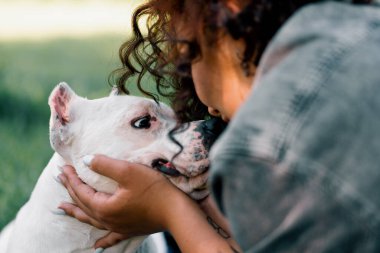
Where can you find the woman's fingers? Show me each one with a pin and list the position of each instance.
(110, 240)
(109, 167)
(73, 195)
(83, 195)
(75, 212)
(107, 241)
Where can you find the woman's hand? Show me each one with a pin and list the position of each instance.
(138, 207)
(144, 203)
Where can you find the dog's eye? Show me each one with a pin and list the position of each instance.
(142, 123)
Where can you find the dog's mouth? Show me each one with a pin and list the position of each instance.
(165, 167)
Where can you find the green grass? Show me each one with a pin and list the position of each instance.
(28, 73)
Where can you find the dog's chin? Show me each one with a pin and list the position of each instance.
(195, 185)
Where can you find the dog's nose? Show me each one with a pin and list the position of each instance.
(212, 128)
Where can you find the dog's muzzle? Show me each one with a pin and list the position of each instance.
(209, 131)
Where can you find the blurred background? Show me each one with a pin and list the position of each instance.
(43, 42)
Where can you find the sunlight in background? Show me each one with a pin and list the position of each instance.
(20, 20)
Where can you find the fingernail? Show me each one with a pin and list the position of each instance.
(60, 168)
(57, 179)
(87, 160)
(58, 212)
(99, 250)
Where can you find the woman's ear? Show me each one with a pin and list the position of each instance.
(59, 102)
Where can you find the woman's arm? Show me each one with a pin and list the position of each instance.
(145, 202)
(218, 222)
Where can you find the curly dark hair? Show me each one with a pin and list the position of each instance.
(163, 54)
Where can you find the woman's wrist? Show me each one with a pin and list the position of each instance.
(190, 228)
(218, 222)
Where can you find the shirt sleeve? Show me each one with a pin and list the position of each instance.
(297, 168)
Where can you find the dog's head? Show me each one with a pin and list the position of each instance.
(129, 128)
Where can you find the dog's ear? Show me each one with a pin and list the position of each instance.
(59, 101)
(115, 91)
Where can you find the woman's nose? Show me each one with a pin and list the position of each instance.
(213, 112)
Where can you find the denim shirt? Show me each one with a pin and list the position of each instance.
(298, 168)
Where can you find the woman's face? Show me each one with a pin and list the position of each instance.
(219, 79)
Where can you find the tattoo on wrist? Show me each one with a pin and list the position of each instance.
(218, 228)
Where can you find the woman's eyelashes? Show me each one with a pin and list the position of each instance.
(143, 122)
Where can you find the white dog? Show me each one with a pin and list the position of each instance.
(122, 127)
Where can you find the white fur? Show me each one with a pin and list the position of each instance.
(80, 127)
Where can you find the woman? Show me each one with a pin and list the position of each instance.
(297, 168)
